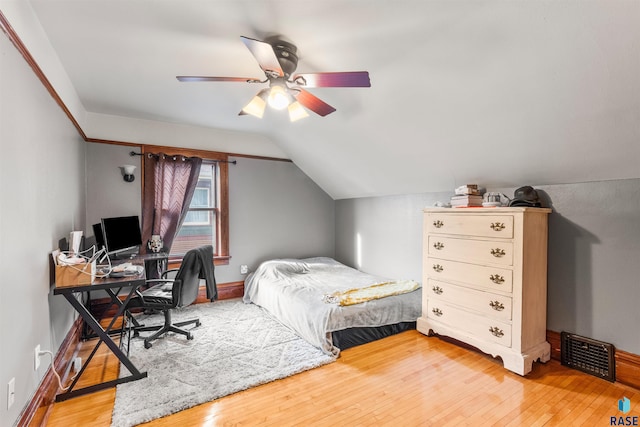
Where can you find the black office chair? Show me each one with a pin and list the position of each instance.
(166, 294)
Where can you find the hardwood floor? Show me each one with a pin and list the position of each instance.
(407, 379)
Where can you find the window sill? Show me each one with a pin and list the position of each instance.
(221, 260)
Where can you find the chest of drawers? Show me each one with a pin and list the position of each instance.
(485, 281)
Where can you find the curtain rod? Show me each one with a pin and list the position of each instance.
(133, 153)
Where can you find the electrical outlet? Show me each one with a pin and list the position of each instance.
(11, 392)
(244, 269)
(36, 360)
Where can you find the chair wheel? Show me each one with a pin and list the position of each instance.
(190, 336)
(198, 323)
(147, 344)
(136, 334)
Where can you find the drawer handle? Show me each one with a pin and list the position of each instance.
(496, 305)
(438, 245)
(437, 290)
(497, 252)
(497, 332)
(437, 311)
(438, 224)
(437, 268)
(496, 278)
(497, 226)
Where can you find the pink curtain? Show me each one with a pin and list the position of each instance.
(169, 183)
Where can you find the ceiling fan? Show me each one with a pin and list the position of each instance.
(278, 59)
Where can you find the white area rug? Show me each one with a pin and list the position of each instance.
(238, 346)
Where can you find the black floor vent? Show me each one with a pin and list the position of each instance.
(588, 355)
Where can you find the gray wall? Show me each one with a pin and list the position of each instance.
(382, 235)
(42, 184)
(594, 251)
(108, 194)
(594, 261)
(275, 209)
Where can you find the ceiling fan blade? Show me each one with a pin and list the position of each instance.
(265, 55)
(339, 79)
(314, 103)
(217, 79)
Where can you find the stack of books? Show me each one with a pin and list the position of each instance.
(466, 201)
(469, 189)
(467, 196)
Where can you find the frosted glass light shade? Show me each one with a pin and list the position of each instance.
(128, 169)
(255, 107)
(297, 111)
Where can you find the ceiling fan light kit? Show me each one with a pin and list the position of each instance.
(296, 111)
(256, 106)
(278, 97)
(278, 60)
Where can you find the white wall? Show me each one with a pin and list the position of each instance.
(42, 199)
(593, 268)
(117, 128)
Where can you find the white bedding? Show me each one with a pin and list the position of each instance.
(292, 291)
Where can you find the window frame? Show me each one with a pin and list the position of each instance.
(222, 256)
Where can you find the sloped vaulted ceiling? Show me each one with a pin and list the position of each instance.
(489, 92)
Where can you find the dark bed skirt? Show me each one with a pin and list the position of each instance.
(352, 337)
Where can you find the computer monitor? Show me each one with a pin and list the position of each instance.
(97, 233)
(121, 234)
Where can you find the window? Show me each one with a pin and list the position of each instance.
(201, 200)
(207, 221)
(199, 226)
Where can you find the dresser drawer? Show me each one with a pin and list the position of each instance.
(480, 327)
(483, 251)
(499, 226)
(486, 303)
(477, 276)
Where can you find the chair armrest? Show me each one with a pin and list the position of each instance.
(164, 273)
(139, 295)
(158, 281)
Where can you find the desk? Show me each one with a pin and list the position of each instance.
(112, 286)
(154, 265)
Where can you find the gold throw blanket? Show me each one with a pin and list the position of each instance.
(379, 290)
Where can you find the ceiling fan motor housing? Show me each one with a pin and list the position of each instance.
(287, 55)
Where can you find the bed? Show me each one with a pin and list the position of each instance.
(298, 292)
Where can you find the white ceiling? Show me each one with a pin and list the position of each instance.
(491, 92)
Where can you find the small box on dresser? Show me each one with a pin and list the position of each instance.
(485, 281)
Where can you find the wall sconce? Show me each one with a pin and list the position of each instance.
(127, 172)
